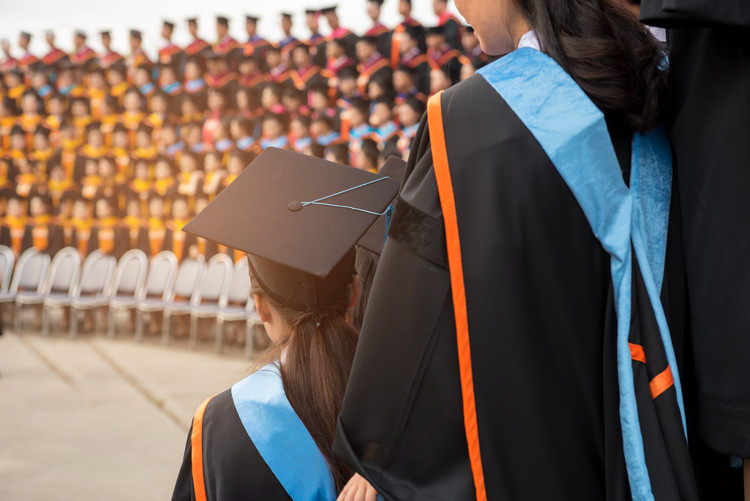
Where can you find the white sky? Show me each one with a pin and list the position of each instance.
(37, 16)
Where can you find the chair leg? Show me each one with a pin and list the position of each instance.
(165, 329)
(138, 326)
(73, 322)
(111, 323)
(45, 320)
(18, 318)
(219, 335)
(193, 344)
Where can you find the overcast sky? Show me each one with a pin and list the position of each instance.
(37, 16)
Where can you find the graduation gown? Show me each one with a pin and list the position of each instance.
(509, 351)
(248, 443)
(44, 234)
(709, 127)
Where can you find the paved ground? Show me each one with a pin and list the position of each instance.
(95, 419)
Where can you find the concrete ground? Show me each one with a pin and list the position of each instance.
(96, 418)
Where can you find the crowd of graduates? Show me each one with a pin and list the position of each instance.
(112, 152)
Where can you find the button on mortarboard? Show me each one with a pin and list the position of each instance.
(292, 250)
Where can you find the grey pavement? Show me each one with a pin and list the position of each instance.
(99, 419)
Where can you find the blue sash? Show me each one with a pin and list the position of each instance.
(281, 438)
(573, 133)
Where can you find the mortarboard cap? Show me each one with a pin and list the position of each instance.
(80, 33)
(300, 250)
(379, 2)
(287, 15)
(374, 239)
(26, 34)
(192, 20)
(415, 32)
(328, 10)
(168, 24)
(223, 20)
(253, 19)
(136, 34)
(312, 12)
(105, 33)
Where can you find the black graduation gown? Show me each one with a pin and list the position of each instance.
(709, 130)
(233, 468)
(544, 358)
(54, 238)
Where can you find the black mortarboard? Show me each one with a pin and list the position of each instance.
(254, 19)
(311, 12)
(192, 20)
(286, 14)
(379, 2)
(435, 30)
(26, 34)
(168, 24)
(298, 218)
(415, 32)
(223, 20)
(136, 34)
(105, 33)
(328, 10)
(374, 239)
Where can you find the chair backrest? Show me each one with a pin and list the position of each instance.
(216, 281)
(63, 271)
(130, 273)
(162, 273)
(7, 260)
(96, 275)
(189, 277)
(239, 289)
(31, 271)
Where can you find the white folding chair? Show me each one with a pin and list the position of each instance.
(29, 276)
(93, 288)
(186, 285)
(212, 293)
(130, 277)
(7, 260)
(60, 280)
(159, 285)
(239, 306)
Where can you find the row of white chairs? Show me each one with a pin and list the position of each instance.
(217, 289)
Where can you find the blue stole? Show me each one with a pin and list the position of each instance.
(329, 138)
(281, 438)
(279, 142)
(573, 133)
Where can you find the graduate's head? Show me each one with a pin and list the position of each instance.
(18, 138)
(156, 206)
(41, 138)
(94, 135)
(238, 160)
(90, 167)
(188, 107)
(404, 8)
(467, 70)
(332, 18)
(49, 37)
(301, 56)
(382, 112)
(39, 205)
(192, 26)
(319, 100)
(168, 134)
(251, 25)
(24, 38)
(335, 48)
(133, 101)
(359, 112)
(180, 208)
(188, 163)
(300, 126)
(192, 69)
(239, 127)
(270, 96)
(162, 168)
(120, 137)
(158, 103)
(366, 48)
(410, 38)
(286, 23)
(403, 79)
(79, 38)
(106, 39)
(348, 81)
(439, 80)
(141, 170)
(57, 172)
(380, 88)
(338, 153)
(55, 104)
(14, 206)
(301, 265)
(135, 39)
(367, 158)
(96, 79)
(143, 136)
(115, 75)
(321, 125)
(247, 66)
(133, 207)
(311, 19)
(292, 98)
(107, 167)
(439, 6)
(410, 112)
(215, 100)
(103, 208)
(167, 75)
(7, 107)
(80, 107)
(142, 75)
(192, 133)
(435, 37)
(469, 40)
(167, 28)
(273, 56)
(212, 161)
(272, 126)
(373, 9)
(81, 209)
(222, 26)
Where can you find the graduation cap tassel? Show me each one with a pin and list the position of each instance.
(295, 206)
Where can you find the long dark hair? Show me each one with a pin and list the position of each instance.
(608, 52)
(318, 357)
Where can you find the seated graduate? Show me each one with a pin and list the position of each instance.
(269, 436)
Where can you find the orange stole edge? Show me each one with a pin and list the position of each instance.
(453, 243)
(196, 452)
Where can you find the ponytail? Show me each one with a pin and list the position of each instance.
(318, 356)
(612, 57)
